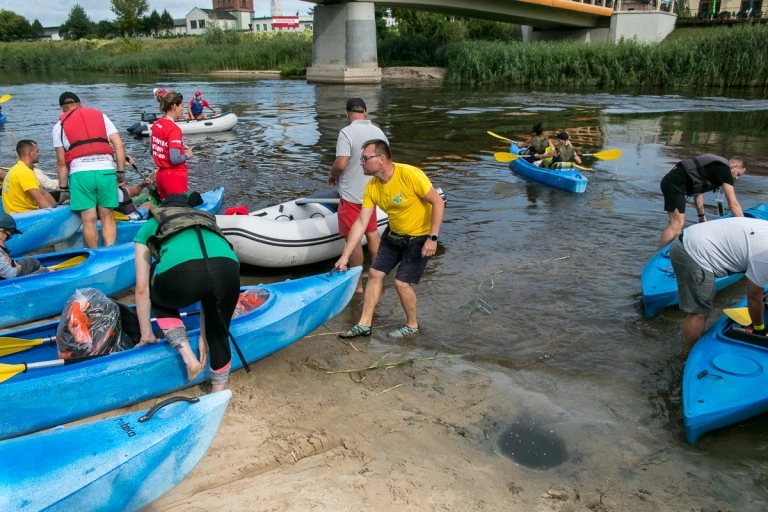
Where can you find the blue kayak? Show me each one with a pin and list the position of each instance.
(725, 379)
(121, 463)
(3, 118)
(36, 296)
(571, 179)
(52, 392)
(41, 228)
(126, 230)
(658, 279)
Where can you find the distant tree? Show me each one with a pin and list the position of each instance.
(486, 30)
(153, 23)
(166, 21)
(77, 26)
(129, 14)
(427, 25)
(311, 11)
(105, 30)
(36, 30)
(13, 26)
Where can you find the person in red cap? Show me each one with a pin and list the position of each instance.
(196, 106)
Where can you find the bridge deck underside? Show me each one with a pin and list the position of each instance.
(538, 13)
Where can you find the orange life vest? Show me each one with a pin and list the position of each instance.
(86, 133)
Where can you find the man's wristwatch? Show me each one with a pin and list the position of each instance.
(433, 238)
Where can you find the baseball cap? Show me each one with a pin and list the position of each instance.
(8, 222)
(563, 135)
(154, 91)
(356, 105)
(198, 93)
(68, 97)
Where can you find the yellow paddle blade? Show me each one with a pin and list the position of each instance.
(11, 370)
(5, 97)
(71, 262)
(499, 136)
(608, 154)
(120, 217)
(503, 156)
(12, 345)
(739, 315)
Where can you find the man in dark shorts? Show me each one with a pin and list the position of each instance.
(415, 211)
(693, 177)
(347, 173)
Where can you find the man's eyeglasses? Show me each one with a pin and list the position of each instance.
(365, 159)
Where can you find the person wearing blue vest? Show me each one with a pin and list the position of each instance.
(196, 106)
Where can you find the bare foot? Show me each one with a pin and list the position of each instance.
(193, 370)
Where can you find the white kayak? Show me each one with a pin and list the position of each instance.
(297, 232)
(219, 123)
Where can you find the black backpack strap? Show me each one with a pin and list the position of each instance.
(199, 232)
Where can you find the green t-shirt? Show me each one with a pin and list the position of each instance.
(184, 246)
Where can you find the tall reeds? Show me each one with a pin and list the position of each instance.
(718, 58)
(254, 52)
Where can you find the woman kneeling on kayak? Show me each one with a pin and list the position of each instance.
(194, 262)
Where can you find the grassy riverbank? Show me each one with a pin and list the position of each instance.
(290, 53)
(702, 58)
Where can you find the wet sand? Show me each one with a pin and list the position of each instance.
(423, 435)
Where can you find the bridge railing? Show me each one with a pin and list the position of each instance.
(633, 5)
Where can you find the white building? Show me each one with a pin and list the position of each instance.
(282, 23)
(200, 19)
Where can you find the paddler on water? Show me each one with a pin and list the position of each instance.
(562, 152)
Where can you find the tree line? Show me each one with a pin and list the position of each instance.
(131, 19)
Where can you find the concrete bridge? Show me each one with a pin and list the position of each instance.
(344, 46)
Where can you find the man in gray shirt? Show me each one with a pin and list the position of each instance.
(702, 252)
(347, 173)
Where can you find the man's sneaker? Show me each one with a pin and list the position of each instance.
(403, 332)
(355, 331)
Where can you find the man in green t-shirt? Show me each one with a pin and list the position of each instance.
(415, 211)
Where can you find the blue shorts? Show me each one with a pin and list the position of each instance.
(412, 263)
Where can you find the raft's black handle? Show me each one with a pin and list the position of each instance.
(165, 402)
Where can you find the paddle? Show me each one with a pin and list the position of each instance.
(499, 136)
(5, 97)
(9, 345)
(8, 371)
(739, 315)
(71, 262)
(608, 154)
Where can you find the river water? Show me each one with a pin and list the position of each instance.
(549, 281)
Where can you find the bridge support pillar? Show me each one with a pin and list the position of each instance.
(344, 44)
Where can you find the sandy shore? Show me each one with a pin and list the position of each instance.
(424, 435)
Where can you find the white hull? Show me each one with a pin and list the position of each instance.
(288, 235)
(220, 123)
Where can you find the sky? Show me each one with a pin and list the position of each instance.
(53, 13)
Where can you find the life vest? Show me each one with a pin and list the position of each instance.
(540, 143)
(172, 220)
(565, 153)
(86, 133)
(125, 203)
(197, 107)
(697, 174)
